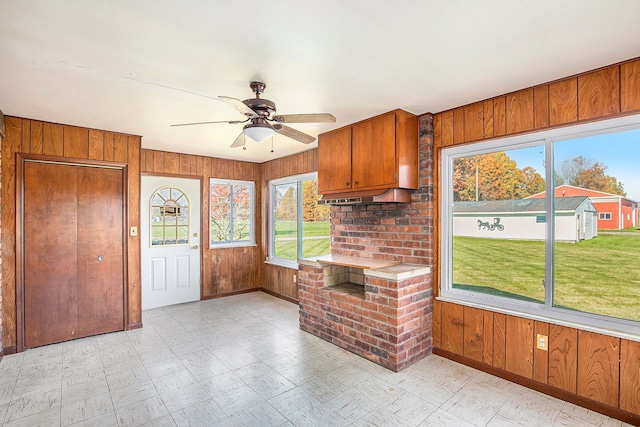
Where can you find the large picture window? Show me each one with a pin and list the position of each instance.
(298, 226)
(579, 266)
(232, 213)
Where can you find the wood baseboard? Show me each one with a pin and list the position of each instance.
(136, 325)
(270, 292)
(607, 410)
(9, 350)
(228, 294)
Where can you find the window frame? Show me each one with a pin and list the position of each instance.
(252, 235)
(164, 226)
(272, 184)
(602, 216)
(543, 312)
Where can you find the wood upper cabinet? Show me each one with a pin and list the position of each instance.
(377, 153)
(334, 159)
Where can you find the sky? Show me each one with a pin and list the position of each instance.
(620, 152)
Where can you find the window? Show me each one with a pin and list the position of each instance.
(232, 213)
(500, 251)
(298, 226)
(169, 217)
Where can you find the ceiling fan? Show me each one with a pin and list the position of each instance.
(263, 121)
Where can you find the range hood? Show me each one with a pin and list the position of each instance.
(393, 195)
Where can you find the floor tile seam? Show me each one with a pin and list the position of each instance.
(59, 406)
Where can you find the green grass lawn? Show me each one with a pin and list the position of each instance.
(288, 228)
(599, 276)
(310, 247)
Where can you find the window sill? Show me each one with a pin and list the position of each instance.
(547, 319)
(282, 263)
(232, 245)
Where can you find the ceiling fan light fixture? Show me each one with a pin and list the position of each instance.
(259, 132)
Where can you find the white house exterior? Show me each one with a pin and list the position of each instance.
(576, 219)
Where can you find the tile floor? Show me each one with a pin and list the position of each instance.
(242, 361)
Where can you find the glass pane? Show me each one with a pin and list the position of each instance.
(316, 235)
(156, 200)
(220, 211)
(183, 235)
(157, 235)
(183, 216)
(597, 239)
(169, 207)
(156, 215)
(181, 199)
(498, 232)
(170, 235)
(285, 221)
(241, 212)
(165, 193)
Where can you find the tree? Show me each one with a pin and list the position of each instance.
(497, 178)
(533, 182)
(220, 226)
(587, 173)
(286, 209)
(311, 210)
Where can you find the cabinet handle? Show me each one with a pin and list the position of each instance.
(355, 182)
(346, 184)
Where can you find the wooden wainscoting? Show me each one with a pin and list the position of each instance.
(587, 368)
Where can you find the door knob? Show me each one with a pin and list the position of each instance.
(195, 247)
(100, 257)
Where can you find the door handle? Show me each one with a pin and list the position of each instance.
(100, 257)
(195, 247)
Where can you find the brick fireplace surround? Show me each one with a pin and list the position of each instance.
(390, 322)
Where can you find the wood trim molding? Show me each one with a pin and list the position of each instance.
(543, 388)
(136, 325)
(228, 294)
(2, 127)
(270, 292)
(9, 350)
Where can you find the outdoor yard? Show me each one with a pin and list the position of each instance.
(316, 239)
(599, 276)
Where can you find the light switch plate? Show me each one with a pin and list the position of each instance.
(134, 231)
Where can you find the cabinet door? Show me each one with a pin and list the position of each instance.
(374, 152)
(334, 161)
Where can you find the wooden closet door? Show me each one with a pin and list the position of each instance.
(72, 216)
(100, 251)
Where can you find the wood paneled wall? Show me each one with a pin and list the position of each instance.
(225, 270)
(275, 279)
(594, 370)
(600, 94)
(69, 142)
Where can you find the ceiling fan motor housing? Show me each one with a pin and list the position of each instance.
(263, 107)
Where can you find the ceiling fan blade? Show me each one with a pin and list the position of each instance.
(238, 105)
(239, 142)
(231, 122)
(305, 118)
(294, 134)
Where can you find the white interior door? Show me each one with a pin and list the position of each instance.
(170, 234)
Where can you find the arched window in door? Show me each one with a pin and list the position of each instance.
(169, 217)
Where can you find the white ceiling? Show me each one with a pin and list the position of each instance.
(139, 66)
